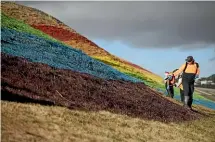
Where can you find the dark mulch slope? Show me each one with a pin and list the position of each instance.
(81, 91)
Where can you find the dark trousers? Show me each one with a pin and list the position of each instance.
(182, 95)
(170, 91)
(188, 92)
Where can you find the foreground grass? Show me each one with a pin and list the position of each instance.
(30, 122)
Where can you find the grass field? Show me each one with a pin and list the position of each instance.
(30, 122)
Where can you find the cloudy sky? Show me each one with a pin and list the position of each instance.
(155, 35)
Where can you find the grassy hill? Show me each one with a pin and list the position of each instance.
(38, 47)
(60, 31)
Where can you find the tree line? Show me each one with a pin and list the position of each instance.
(212, 78)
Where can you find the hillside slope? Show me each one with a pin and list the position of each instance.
(29, 15)
(60, 31)
(21, 40)
(21, 79)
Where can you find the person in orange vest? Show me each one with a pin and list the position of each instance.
(169, 81)
(190, 72)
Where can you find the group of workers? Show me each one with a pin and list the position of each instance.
(183, 78)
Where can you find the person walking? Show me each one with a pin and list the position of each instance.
(169, 83)
(180, 86)
(191, 71)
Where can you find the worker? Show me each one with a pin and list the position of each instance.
(180, 86)
(169, 83)
(190, 72)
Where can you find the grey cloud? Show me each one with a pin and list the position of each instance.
(212, 59)
(140, 24)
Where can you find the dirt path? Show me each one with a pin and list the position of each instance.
(207, 93)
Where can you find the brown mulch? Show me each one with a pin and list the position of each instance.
(40, 82)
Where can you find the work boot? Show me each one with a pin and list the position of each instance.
(186, 102)
(187, 107)
(172, 95)
(182, 99)
(190, 101)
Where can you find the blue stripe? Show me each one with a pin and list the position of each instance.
(36, 49)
